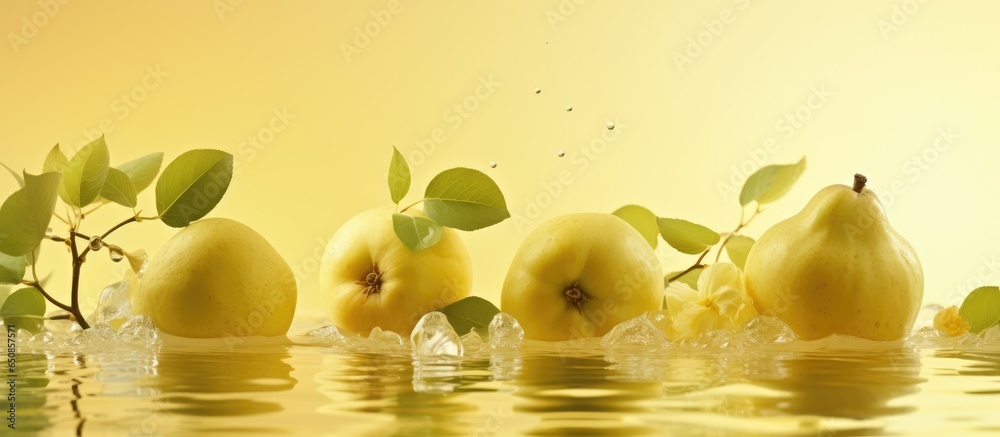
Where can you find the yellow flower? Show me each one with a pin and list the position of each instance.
(720, 302)
(949, 322)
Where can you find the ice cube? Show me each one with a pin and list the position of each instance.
(113, 304)
(661, 319)
(329, 334)
(719, 338)
(766, 330)
(139, 330)
(929, 338)
(637, 331)
(472, 343)
(505, 332)
(434, 336)
(384, 341)
(992, 335)
(100, 335)
(24, 336)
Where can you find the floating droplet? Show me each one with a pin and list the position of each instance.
(569, 109)
(611, 125)
(560, 153)
(546, 42)
(116, 255)
(493, 164)
(538, 90)
(96, 243)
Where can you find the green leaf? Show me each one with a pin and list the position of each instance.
(118, 188)
(471, 312)
(738, 247)
(12, 268)
(24, 308)
(643, 220)
(686, 237)
(771, 182)
(981, 308)
(85, 175)
(466, 199)
(25, 215)
(17, 177)
(192, 185)
(416, 232)
(689, 278)
(143, 170)
(399, 176)
(55, 161)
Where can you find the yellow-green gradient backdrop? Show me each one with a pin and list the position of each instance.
(906, 92)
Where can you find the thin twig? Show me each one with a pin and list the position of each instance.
(697, 264)
(38, 286)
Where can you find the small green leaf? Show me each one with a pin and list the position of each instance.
(416, 232)
(143, 170)
(55, 161)
(85, 175)
(192, 185)
(118, 188)
(643, 220)
(399, 177)
(24, 308)
(689, 278)
(466, 199)
(12, 268)
(981, 308)
(471, 312)
(771, 182)
(25, 215)
(17, 177)
(738, 248)
(686, 237)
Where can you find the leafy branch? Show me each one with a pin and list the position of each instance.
(459, 198)
(766, 185)
(189, 187)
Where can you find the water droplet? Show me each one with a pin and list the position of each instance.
(96, 243)
(569, 109)
(560, 153)
(493, 164)
(538, 90)
(116, 255)
(611, 125)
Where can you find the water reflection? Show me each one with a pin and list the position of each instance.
(857, 384)
(575, 395)
(190, 383)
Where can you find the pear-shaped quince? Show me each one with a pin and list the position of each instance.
(580, 275)
(369, 278)
(218, 278)
(837, 267)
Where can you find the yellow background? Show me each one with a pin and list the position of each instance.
(897, 73)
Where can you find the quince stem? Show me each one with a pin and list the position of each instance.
(859, 182)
